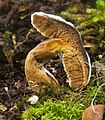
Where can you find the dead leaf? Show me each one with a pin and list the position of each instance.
(90, 114)
(2, 107)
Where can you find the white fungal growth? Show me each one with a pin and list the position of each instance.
(89, 64)
(6, 89)
(33, 100)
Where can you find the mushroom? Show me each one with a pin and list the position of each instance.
(63, 39)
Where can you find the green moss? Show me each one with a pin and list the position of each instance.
(51, 110)
(100, 4)
(68, 106)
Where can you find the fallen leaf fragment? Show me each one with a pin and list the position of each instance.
(2, 107)
(90, 114)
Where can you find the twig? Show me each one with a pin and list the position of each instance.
(21, 43)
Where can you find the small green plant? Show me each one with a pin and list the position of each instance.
(7, 49)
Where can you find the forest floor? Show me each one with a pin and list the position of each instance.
(17, 38)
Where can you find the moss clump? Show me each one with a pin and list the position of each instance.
(90, 24)
(50, 110)
(69, 106)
